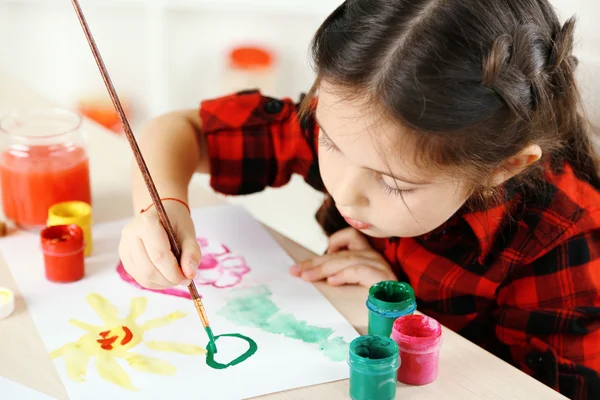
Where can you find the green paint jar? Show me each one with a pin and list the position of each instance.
(388, 301)
(374, 362)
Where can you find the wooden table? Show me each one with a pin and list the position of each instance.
(466, 371)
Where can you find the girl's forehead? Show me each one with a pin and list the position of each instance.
(349, 117)
(366, 136)
(341, 101)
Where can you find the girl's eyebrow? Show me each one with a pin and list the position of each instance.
(398, 178)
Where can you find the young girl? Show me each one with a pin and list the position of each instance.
(448, 138)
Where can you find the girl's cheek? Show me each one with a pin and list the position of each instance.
(327, 168)
(409, 217)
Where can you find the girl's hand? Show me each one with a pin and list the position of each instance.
(146, 253)
(350, 259)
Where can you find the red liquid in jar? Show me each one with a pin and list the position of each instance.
(42, 176)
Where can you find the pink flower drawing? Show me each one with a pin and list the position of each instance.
(219, 268)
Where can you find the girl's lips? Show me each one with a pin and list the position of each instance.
(356, 224)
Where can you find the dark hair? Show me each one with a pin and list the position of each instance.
(493, 76)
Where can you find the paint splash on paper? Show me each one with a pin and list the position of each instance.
(252, 348)
(219, 268)
(254, 307)
(115, 339)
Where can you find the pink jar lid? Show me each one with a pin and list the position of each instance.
(251, 57)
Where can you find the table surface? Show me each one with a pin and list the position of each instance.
(466, 370)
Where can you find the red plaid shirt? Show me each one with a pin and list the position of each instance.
(521, 280)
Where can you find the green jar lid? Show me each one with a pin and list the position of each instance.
(391, 298)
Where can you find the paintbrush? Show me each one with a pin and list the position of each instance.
(164, 219)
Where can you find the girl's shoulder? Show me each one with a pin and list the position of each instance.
(563, 209)
(571, 191)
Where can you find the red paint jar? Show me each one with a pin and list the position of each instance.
(419, 339)
(63, 247)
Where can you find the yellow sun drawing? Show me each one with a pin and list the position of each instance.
(115, 339)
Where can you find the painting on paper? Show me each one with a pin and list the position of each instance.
(219, 268)
(111, 338)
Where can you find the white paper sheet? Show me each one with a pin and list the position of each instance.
(10, 390)
(242, 254)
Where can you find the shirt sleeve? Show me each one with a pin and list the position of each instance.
(256, 142)
(549, 317)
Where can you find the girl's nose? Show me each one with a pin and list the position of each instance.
(349, 190)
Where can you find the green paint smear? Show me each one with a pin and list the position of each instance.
(254, 307)
(211, 340)
(210, 356)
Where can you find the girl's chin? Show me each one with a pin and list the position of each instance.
(374, 232)
(378, 233)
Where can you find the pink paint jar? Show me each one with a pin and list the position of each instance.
(419, 339)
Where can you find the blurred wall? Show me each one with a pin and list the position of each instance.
(165, 54)
(161, 54)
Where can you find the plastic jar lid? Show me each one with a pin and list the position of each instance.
(391, 298)
(250, 57)
(71, 210)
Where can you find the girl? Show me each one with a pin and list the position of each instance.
(448, 137)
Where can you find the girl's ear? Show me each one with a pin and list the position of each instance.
(517, 164)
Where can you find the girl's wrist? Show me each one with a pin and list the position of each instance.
(142, 201)
(167, 199)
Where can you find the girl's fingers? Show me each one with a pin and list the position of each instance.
(299, 268)
(359, 275)
(190, 257)
(144, 271)
(335, 265)
(349, 239)
(158, 250)
(156, 286)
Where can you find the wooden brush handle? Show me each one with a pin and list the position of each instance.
(162, 214)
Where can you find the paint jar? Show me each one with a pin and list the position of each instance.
(373, 362)
(389, 300)
(43, 161)
(7, 302)
(248, 68)
(73, 212)
(63, 248)
(419, 339)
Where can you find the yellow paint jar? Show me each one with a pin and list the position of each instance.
(73, 212)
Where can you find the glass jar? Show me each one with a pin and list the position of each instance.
(43, 161)
(250, 68)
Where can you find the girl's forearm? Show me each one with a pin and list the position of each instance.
(172, 153)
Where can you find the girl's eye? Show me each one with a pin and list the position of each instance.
(326, 143)
(389, 190)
